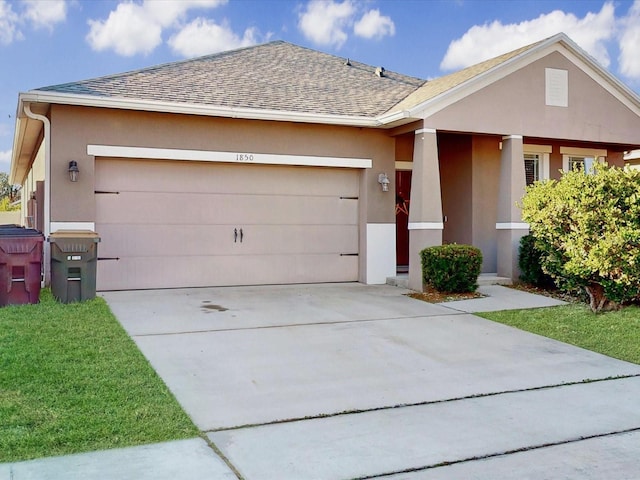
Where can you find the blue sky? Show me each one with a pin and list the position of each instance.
(46, 42)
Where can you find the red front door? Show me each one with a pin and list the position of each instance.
(403, 195)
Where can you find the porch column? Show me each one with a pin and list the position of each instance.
(510, 228)
(425, 208)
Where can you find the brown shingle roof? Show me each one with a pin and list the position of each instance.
(274, 76)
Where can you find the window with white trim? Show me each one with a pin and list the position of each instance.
(581, 159)
(536, 162)
(532, 163)
(581, 164)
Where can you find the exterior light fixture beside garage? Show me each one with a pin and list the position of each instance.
(384, 181)
(74, 171)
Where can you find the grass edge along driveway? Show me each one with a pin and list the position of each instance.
(615, 334)
(71, 380)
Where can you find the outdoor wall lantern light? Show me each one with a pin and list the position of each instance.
(73, 171)
(384, 181)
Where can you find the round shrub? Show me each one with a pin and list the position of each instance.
(451, 268)
(588, 230)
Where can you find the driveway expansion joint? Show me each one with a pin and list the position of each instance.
(222, 456)
(499, 454)
(428, 402)
(312, 324)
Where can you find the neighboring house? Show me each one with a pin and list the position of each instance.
(268, 164)
(632, 159)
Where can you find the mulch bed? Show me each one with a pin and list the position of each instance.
(432, 295)
(553, 293)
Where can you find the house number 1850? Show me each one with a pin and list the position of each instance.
(244, 157)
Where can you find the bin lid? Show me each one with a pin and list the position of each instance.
(71, 234)
(15, 231)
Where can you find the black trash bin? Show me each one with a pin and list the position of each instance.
(74, 256)
(20, 265)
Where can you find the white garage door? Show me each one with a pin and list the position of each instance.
(170, 224)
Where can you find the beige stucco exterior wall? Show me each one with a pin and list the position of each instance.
(486, 178)
(457, 186)
(404, 147)
(470, 173)
(73, 128)
(516, 105)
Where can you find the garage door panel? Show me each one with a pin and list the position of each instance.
(167, 224)
(202, 177)
(156, 240)
(192, 209)
(172, 272)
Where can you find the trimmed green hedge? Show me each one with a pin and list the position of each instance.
(451, 268)
(530, 263)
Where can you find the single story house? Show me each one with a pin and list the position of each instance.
(278, 164)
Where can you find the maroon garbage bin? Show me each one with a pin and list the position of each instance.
(20, 265)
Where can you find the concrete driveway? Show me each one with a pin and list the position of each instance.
(346, 381)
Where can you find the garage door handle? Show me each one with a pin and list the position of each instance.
(241, 235)
(235, 235)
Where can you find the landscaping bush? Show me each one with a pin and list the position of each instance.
(587, 227)
(530, 263)
(451, 268)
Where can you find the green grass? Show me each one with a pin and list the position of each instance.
(616, 334)
(72, 380)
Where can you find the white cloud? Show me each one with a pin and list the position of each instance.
(128, 30)
(134, 28)
(374, 25)
(629, 59)
(324, 22)
(8, 24)
(45, 14)
(168, 12)
(482, 42)
(5, 158)
(202, 37)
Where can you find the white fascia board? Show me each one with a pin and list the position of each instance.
(386, 119)
(195, 109)
(115, 151)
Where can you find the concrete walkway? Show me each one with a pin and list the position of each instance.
(350, 381)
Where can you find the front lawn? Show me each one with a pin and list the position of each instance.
(616, 334)
(72, 380)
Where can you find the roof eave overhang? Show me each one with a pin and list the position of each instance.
(36, 96)
(26, 135)
(20, 163)
(397, 119)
